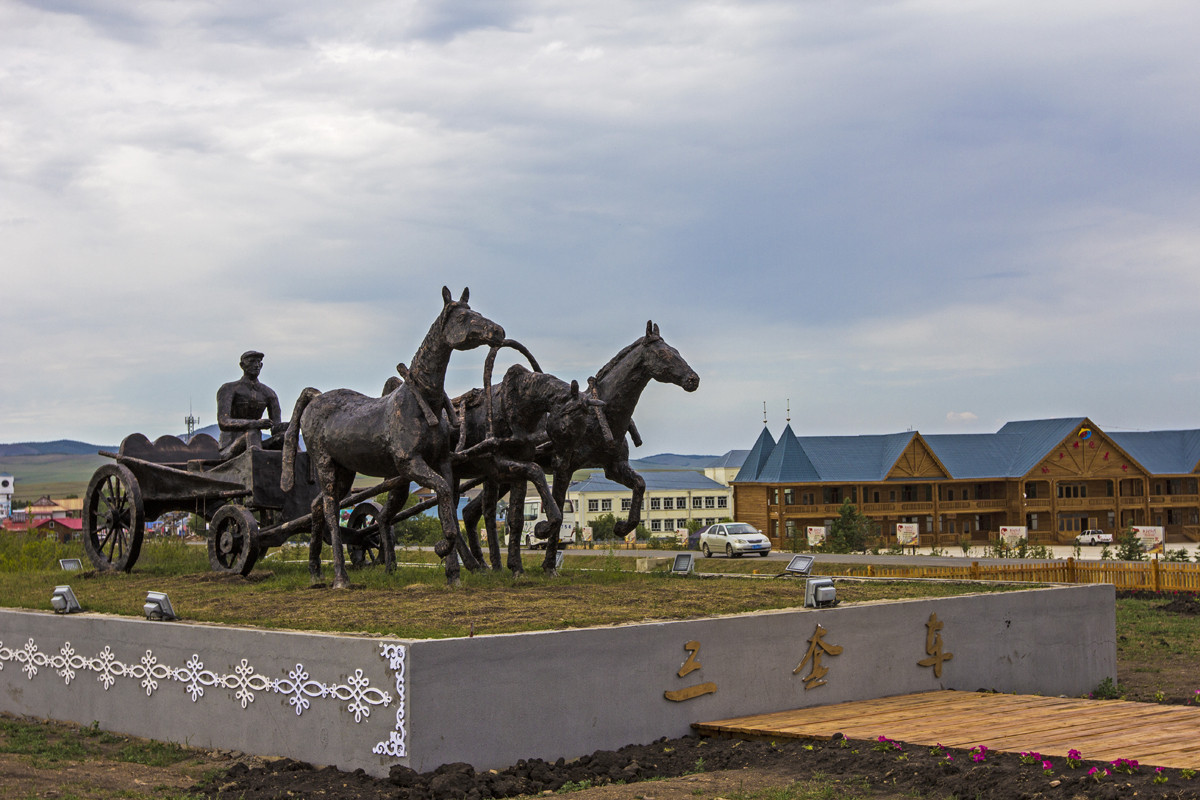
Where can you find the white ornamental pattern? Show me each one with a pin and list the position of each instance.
(246, 682)
(397, 741)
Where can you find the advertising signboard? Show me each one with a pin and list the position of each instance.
(1013, 535)
(908, 533)
(816, 535)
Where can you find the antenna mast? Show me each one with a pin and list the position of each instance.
(191, 421)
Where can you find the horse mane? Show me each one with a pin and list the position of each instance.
(612, 362)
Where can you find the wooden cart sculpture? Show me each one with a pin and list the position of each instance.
(239, 497)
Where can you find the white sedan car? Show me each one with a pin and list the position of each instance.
(734, 539)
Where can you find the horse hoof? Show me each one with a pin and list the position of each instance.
(455, 582)
(550, 572)
(442, 548)
(341, 584)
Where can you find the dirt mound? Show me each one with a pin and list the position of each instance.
(1183, 604)
(888, 767)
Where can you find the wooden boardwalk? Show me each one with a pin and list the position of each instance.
(1164, 736)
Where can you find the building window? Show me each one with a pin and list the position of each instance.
(593, 505)
(1068, 490)
(606, 505)
(655, 503)
(774, 497)
(697, 502)
(710, 502)
(655, 525)
(722, 502)
(568, 507)
(876, 500)
(807, 499)
(626, 503)
(892, 496)
(710, 521)
(789, 497)
(668, 503)
(681, 503)
(949, 494)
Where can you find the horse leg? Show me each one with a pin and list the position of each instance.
(315, 540)
(488, 496)
(516, 526)
(622, 473)
(387, 536)
(471, 515)
(336, 488)
(447, 514)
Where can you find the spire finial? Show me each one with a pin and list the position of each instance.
(764, 412)
(789, 411)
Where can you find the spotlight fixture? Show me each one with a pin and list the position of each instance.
(158, 606)
(63, 600)
(683, 564)
(558, 559)
(800, 566)
(70, 564)
(819, 593)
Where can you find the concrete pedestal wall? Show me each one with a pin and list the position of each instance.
(490, 700)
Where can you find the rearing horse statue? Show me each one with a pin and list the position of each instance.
(406, 434)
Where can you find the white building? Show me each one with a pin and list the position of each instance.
(672, 499)
(7, 483)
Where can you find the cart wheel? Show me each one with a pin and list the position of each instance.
(231, 546)
(369, 550)
(113, 519)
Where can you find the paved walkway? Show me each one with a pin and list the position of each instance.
(1105, 730)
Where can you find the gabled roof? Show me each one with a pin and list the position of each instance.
(788, 459)
(1038, 437)
(757, 457)
(1162, 452)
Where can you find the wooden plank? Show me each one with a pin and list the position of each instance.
(1101, 729)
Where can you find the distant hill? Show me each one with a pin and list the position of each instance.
(66, 447)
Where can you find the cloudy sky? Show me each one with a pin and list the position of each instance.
(932, 215)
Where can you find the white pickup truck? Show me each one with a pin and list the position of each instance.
(1094, 537)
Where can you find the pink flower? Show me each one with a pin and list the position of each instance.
(1075, 754)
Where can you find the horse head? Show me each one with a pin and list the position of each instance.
(568, 418)
(664, 362)
(464, 329)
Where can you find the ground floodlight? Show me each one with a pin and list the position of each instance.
(799, 565)
(158, 606)
(70, 564)
(683, 564)
(558, 559)
(819, 593)
(63, 600)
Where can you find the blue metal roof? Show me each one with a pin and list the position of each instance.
(787, 458)
(976, 455)
(1039, 437)
(1161, 452)
(681, 480)
(855, 458)
(757, 457)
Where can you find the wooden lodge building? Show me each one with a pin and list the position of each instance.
(1056, 477)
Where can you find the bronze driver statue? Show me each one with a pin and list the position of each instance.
(240, 407)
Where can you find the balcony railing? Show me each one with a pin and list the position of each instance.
(1175, 499)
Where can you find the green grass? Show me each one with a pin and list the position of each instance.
(413, 602)
(55, 475)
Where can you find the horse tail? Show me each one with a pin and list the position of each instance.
(291, 439)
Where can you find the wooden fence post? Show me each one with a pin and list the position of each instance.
(1155, 571)
(1070, 569)
(974, 570)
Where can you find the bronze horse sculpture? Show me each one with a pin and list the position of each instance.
(600, 442)
(405, 435)
(506, 424)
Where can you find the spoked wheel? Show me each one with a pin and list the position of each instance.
(113, 519)
(369, 549)
(231, 536)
